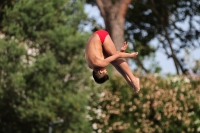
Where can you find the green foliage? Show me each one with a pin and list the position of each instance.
(162, 105)
(42, 67)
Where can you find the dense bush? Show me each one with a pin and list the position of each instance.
(162, 105)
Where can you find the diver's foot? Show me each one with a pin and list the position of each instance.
(137, 85)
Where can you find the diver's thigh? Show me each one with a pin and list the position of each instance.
(109, 46)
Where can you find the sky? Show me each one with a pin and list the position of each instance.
(166, 64)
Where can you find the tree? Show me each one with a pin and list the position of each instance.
(41, 67)
(4, 3)
(147, 20)
(113, 12)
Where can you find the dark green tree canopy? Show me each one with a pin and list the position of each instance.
(42, 67)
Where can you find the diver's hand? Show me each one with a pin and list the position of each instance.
(123, 48)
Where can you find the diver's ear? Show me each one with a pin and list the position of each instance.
(100, 71)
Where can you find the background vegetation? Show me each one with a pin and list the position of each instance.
(44, 78)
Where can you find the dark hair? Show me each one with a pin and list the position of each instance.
(100, 77)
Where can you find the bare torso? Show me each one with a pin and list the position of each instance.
(93, 51)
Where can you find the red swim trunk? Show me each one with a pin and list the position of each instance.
(102, 34)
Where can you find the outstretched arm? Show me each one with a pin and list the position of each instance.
(109, 59)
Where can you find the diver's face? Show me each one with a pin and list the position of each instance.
(102, 71)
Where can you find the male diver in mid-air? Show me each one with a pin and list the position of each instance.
(100, 51)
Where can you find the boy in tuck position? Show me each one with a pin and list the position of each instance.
(100, 51)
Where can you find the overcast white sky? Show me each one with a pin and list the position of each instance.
(167, 65)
